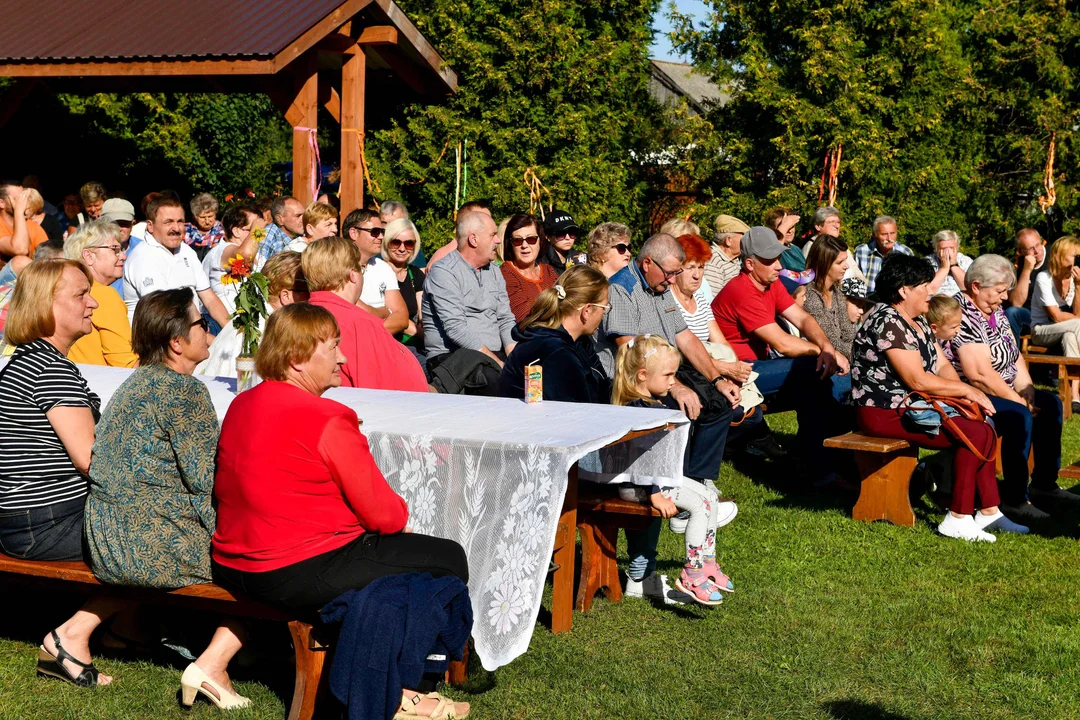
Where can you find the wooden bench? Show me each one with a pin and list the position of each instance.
(1067, 369)
(885, 466)
(310, 652)
(600, 515)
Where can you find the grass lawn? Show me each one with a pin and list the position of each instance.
(831, 619)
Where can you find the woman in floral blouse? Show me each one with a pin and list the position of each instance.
(985, 354)
(893, 354)
(149, 516)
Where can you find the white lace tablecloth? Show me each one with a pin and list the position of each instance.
(491, 474)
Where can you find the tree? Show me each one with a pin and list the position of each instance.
(943, 110)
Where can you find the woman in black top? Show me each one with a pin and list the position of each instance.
(557, 335)
(401, 245)
(47, 418)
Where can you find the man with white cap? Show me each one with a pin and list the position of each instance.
(724, 264)
(122, 213)
(810, 374)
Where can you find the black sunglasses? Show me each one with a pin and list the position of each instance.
(374, 232)
(409, 244)
(622, 248)
(530, 239)
(203, 323)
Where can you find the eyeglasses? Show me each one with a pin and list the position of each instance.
(409, 244)
(668, 274)
(373, 232)
(530, 239)
(605, 307)
(621, 248)
(115, 248)
(203, 323)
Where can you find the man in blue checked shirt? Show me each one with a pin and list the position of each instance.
(869, 256)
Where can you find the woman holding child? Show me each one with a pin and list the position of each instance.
(986, 355)
(893, 354)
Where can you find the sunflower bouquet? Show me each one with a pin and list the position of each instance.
(250, 301)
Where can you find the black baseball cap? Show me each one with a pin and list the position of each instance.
(559, 222)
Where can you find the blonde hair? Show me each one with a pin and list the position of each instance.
(292, 335)
(327, 263)
(34, 202)
(644, 352)
(604, 237)
(30, 314)
(95, 233)
(1062, 248)
(679, 226)
(942, 309)
(316, 212)
(283, 272)
(395, 228)
(576, 287)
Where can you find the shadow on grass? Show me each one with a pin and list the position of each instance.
(859, 710)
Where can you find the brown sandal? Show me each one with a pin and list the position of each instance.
(446, 709)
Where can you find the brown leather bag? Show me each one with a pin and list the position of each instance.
(965, 408)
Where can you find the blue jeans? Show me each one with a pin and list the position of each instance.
(1019, 320)
(1019, 430)
(52, 532)
(796, 382)
(215, 329)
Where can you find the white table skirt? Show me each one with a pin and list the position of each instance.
(490, 474)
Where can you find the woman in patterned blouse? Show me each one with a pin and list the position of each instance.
(986, 355)
(149, 516)
(893, 354)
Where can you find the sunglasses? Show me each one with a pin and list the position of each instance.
(621, 248)
(203, 323)
(530, 239)
(374, 232)
(408, 244)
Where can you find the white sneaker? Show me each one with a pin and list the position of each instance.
(725, 513)
(1059, 494)
(999, 522)
(677, 523)
(1027, 512)
(963, 528)
(653, 586)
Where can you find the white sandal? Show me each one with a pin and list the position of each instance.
(191, 684)
(446, 709)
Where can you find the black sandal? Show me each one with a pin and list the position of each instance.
(53, 666)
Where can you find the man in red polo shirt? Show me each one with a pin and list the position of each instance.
(374, 358)
(809, 374)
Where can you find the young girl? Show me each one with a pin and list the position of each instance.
(645, 371)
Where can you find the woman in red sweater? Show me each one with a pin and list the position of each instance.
(303, 512)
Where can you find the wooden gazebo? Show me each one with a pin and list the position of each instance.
(304, 54)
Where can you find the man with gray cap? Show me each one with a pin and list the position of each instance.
(810, 374)
(121, 212)
(724, 264)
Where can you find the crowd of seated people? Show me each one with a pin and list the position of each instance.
(715, 328)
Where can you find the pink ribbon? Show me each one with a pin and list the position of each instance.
(316, 175)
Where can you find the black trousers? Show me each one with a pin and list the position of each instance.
(306, 586)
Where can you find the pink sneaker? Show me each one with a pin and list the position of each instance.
(695, 583)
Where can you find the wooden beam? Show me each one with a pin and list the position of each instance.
(332, 103)
(320, 30)
(411, 34)
(378, 35)
(304, 113)
(144, 68)
(405, 70)
(346, 44)
(353, 81)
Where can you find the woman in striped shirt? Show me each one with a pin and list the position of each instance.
(47, 417)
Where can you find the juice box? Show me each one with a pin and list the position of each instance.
(534, 383)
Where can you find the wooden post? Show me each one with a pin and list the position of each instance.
(353, 72)
(562, 592)
(304, 113)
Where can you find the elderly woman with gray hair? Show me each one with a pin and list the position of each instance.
(986, 355)
(949, 264)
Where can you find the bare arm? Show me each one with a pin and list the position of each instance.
(908, 365)
(692, 349)
(784, 343)
(979, 370)
(75, 428)
(215, 307)
(18, 243)
(1018, 295)
(738, 371)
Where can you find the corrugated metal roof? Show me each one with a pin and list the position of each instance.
(57, 30)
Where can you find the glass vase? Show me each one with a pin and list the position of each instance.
(246, 377)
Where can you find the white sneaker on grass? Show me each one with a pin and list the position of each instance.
(677, 523)
(653, 586)
(999, 522)
(725, 513)
(1026, 512)
(963, 528)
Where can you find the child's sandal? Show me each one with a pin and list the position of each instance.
(714, 573)
(699, 587)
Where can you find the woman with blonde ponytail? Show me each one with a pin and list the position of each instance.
(556, 335)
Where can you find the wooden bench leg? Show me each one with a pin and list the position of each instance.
(309, 667)
(458, 672)
(599, 571)
(884, 492)
(562, 592)
(1064, 391)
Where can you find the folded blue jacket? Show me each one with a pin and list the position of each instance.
(392, 632)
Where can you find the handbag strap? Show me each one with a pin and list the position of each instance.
(949, 424)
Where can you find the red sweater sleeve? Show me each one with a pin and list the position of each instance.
(345, 450)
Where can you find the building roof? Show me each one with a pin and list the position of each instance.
(61, 38)
(671, 81)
